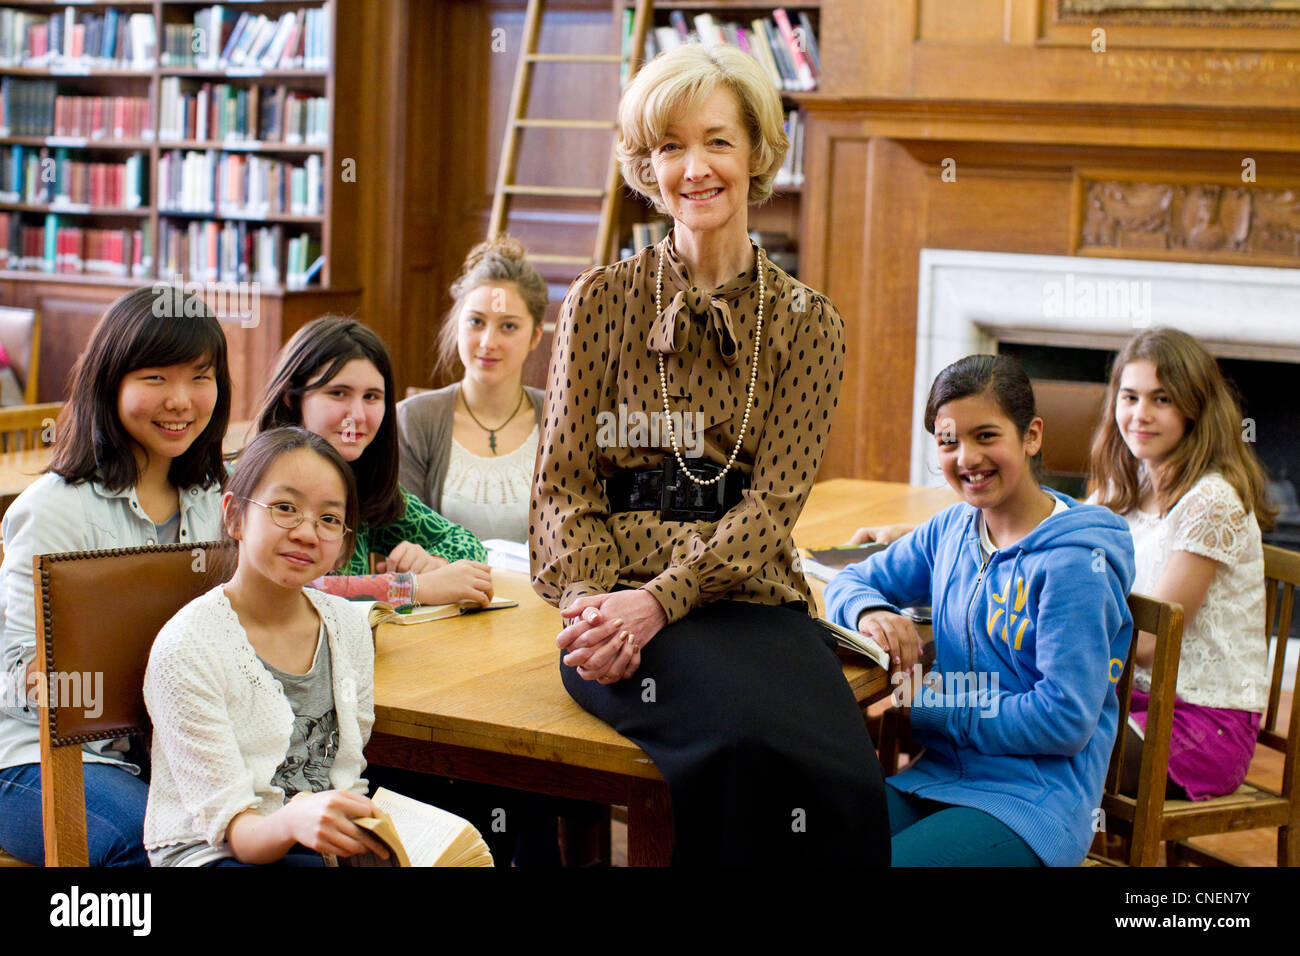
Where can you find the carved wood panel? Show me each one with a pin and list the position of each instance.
(1176, 217)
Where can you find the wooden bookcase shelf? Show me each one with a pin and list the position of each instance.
(70, 302)
(783, 213)
(136, 82)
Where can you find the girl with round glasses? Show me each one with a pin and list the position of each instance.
(261, 690)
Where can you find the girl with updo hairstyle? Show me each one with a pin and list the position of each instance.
(467, 450)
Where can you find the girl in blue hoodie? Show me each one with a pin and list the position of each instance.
(1031, 625)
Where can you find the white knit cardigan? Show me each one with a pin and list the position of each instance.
(221, 721)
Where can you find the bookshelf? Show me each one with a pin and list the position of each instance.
(738, 24)
(142, 140)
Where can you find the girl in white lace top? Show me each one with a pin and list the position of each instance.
(468, 450)
(1169, 456)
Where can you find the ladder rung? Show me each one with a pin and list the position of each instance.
(574, 57)
(554, 191)
(567, 124)
(559, 260)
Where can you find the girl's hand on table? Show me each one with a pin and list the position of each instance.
(896, 634)
(410, 557)
(880, 534)
(458, 581)
(608, 631)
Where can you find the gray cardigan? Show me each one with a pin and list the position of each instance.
(424, 424)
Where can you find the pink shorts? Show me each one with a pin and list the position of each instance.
(1209, 747)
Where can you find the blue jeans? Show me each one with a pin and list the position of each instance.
(930, 833)
(115, 802)
(298, 855)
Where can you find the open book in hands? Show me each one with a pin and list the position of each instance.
(858, 643)
(417, 834)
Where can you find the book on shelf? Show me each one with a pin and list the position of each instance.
(786, 48)
(194, 110)
(647, 234)
(52, 246)
(302, 261)
(77, 40)
(791, 171)
(36, 108)
(239, 185)
(416, 834)
(39, 175)
(298, 40)
(219, 39)
(209, 251)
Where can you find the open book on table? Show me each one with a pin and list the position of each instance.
(417, 834)
(378, 612)
(824, 563)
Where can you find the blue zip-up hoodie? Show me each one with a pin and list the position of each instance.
(1028, 648)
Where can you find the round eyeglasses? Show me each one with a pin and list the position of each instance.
(329, 527)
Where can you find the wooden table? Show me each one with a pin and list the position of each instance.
(480, 698)
(18, 469)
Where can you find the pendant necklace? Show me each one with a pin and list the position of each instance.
(492, 432)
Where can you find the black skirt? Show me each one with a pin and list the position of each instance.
(745, 711)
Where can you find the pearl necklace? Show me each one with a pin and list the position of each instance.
(753, 372)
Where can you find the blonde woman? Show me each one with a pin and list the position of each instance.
(467, 450)
(688, 622)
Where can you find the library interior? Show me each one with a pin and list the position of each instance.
(714, 350)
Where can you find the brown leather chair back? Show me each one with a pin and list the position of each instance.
(98, 613)
(1070, 413)
(20, 334)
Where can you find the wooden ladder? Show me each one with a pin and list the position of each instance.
(518, 121)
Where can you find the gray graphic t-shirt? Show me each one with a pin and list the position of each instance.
(315, 737)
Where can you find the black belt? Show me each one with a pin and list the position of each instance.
(672, 494)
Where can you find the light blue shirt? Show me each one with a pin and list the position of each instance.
(50, 517)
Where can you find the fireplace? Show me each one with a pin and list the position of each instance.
(1068, 314)
(1065, 316)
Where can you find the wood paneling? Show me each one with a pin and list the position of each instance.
(1009, 89)
(877, 197)
(1020, 50)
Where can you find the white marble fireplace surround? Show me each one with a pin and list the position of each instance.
(970, 301)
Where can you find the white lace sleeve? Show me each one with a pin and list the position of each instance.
(1211, 522)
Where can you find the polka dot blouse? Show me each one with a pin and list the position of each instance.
(602, 415)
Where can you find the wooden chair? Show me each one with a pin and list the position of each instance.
(97, 613)
(1138, 819)
(1251, 806)
(26, 427)
(20, 334)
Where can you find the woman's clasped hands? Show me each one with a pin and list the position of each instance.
(604, 633)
